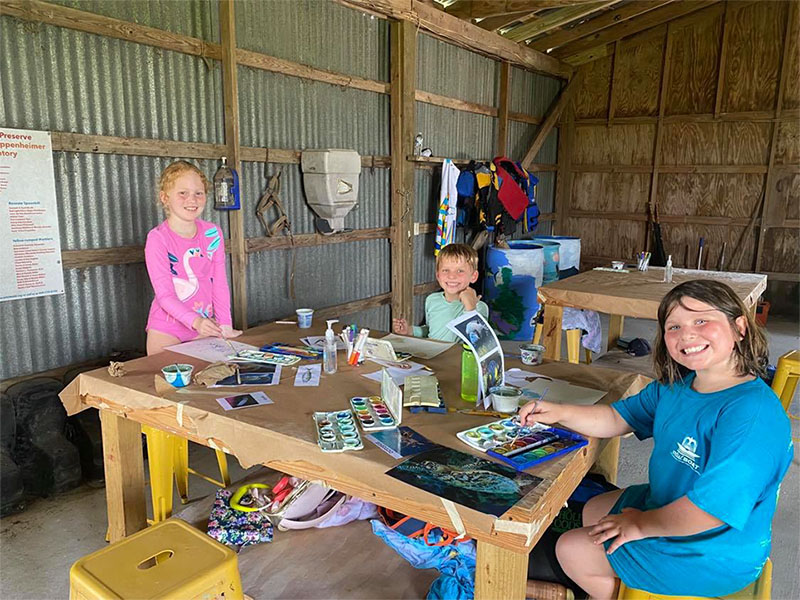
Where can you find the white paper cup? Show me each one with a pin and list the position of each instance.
(505, 398)
(531, 354)
(618, 264)
(178, 375)
(304, 316)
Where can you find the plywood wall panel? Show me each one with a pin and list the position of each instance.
(693, 75)
(709, 194)
(791, 96)
(638, 75)
(728, 143)
(788, 149)
(610, 192)
(591, 99)
(618, 145)
(781, 251)
(755, 46)
(604, 237)
(683, 241)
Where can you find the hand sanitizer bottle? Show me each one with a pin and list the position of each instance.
(329, 349)
(668, 270)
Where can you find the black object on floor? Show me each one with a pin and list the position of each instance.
(12, 490)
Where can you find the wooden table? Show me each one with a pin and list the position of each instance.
(282, 436)
(634, 294)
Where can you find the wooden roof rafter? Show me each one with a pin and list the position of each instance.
(556, 18)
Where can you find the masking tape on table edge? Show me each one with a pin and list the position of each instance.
(526, 529)
(213, 445)
(455, 518)
(179, 414)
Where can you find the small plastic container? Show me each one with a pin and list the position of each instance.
(505, 398)
(469, 376)
(304, 317)
(531, 354)
(178, 375)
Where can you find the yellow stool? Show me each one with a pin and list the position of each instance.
(785, 381)
(760, 589)
(168, 455)
(573, 344)
(169, 560)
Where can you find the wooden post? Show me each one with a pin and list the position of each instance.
(612, 96)
(502, 108)
(723, 57)
(615, 325)
(553, 316)
(402, 87)
(566, 135)
(553, 114)
(230, 88)
(662, 97)
(500, 573)
(124, 472)
(776, 125)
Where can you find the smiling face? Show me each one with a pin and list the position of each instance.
(700, 337)
(454, 276)
(185, 199)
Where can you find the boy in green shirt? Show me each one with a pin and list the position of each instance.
(456, 269)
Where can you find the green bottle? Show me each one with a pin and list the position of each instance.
(469, 375)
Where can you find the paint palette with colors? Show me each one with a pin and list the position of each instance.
(270, 358)
(337, 431)
(375, 413)
(521, 447)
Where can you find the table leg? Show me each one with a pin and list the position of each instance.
(124, 469)
(552, 331)
(607, 463)
(500, 573)
(615, 330)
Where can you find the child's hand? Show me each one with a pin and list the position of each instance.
(539, 411)
(206, 327)
(469, 298)
(230, 332)
(400, 326)
(624, 527)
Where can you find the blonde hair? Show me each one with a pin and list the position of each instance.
(458, 252)
(751, 353)
(171, 173)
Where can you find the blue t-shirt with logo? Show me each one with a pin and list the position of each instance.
(727, 451)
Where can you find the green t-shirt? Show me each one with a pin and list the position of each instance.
(439, 312)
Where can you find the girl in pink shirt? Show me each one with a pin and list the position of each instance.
(185, 259)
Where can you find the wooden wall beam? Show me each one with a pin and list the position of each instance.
(403, 55)
(315, 239)
(230, 92)
(769, 180)
(553, 114)
(613, 91)
(662, 105)
(650, 19)
(479, 9)
(554, 19)
(504, 100)
(721, 64)
(566, 137)
(80, 20)
(613, 17)
(464, 34)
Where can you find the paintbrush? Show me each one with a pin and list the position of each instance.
(478, 413)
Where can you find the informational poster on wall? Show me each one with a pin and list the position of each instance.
(30, 244)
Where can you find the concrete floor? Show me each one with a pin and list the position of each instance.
(38, 546)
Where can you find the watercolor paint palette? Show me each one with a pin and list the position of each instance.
(521, 447)
(337, 431)
(270, 358)
(375, 413)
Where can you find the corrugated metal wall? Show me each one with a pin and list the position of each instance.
(61, 80)
(451, 71)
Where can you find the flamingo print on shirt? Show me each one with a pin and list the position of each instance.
(186, 288)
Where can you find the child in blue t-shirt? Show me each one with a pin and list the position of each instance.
(722, 444)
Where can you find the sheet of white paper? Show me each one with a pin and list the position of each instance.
(244, 400)
(561, 392)
(397, 375)
(210, 349)
(419, 347)
(519, 377)
(318, 341)
(308, 375)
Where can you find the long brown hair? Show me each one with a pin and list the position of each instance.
(751, 353)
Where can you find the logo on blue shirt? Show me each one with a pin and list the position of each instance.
(686, 454)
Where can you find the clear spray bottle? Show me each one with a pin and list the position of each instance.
(668, 270)
(329, 349)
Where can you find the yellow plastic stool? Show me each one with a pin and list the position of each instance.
(168, 455)
(786, 374)
(760, 589)
(169, 560)
(573, 344)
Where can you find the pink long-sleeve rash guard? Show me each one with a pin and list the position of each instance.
(189, 279)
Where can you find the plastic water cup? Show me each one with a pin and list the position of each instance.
(178, 375)
(304, 316)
